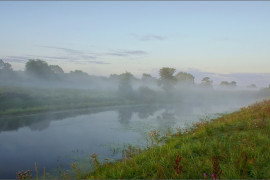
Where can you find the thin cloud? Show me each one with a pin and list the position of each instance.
(83, 62)
(98, 62)
(72, 51)
(135, 52)
(88, 57)
(116, 54)
(74, 55)
(24, 59)
(53, 57)
(127, 53)
(16, 59)
(78, 54)
(84, 59)
(149, 37)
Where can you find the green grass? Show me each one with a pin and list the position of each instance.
(240, 141)
(18, 100)
(28, 100)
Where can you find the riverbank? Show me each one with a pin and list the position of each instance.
(32, 100)
(234, 146)
(24, 101)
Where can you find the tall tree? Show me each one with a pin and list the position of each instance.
(38, 68)
(56, 69)
(148, 78)
(186, 78)
(206, 82)
(124, 87)
(5, 67)
(78, 73)
(167, 79)
(228, 84)
(6, 71)
(233, 84)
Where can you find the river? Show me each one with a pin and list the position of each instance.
(55, 140)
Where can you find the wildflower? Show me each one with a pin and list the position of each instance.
(204, 175)
(251, 161)
(216, 168)
(177, 167)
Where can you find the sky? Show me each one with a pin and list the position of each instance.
(221, 39)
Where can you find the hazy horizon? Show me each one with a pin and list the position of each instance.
(119, 89)
(224, 40)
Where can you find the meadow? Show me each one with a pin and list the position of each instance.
(28, 100)
(23, 100)
(134, 90)
(234, 146)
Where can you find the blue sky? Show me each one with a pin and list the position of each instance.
(101, 38)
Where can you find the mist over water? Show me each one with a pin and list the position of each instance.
(55, 140)
(54, 118)
(79, 79)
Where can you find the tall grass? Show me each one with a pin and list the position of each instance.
(29, 100)
(234, 146)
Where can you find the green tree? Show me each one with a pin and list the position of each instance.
(114, 77)
(148, 78)
(124, 87)
(38, 68)
(233, 84)
(6, 72)
(228, 84)
(167, 80)
(206, 82)
(127, 76)
(78, 73)
(186, 78)
(224, 83)
(56, 69)
(5, 67)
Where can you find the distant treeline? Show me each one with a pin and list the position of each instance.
(43, 87)
(39, 72)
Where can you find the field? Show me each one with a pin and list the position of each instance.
(234, 146)
(29, 100)
(32, 100)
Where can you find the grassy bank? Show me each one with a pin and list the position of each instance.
(29, 100)
(233, 146)
(19, 100)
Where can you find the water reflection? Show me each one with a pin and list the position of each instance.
(167, 119)
(41, 121)
(124, 115)
(51, 137)
(147, 111)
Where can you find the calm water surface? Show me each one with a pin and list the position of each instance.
(55, 140)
